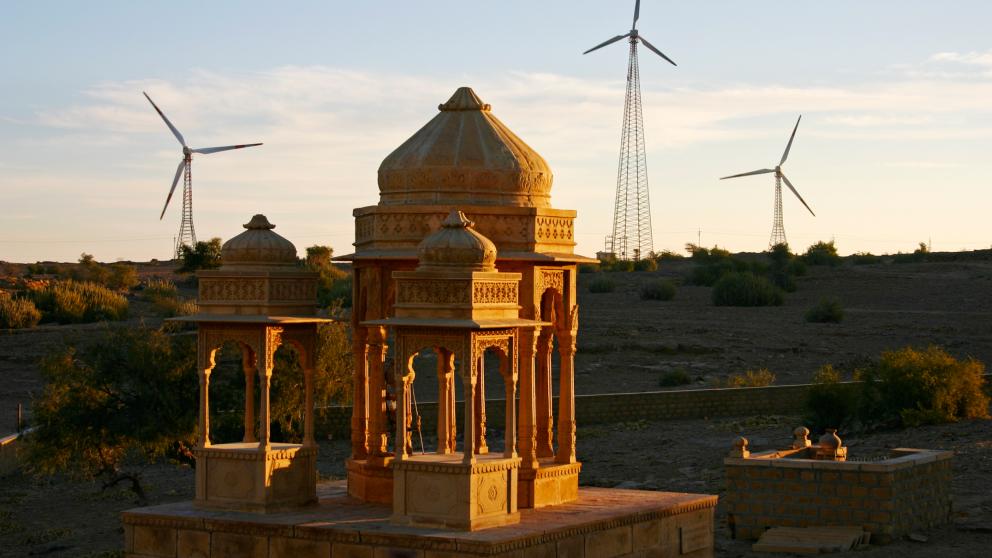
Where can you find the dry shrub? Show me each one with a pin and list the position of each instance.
(658, 290)
(830, 402)
(602, 285)
(761, 377)
(911, 387)
(17, 313)
(827, 311)
(71, 302)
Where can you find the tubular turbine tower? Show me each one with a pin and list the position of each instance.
(631, 236)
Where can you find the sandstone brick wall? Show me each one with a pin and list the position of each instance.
(888, 498)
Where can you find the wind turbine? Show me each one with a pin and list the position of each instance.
(778, 229)
(632, 208)
(187, 235)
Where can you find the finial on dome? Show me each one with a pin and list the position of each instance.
(258, 222)
(464, 99)
(457, 220)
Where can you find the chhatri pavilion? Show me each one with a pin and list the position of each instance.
(463, 258)
(465, 159)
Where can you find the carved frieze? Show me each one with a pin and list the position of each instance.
(494, 292)
(229, 290)
(434, 292)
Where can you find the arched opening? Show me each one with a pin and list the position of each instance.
(233, 375)
(548, 370)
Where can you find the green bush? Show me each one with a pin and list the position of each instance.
(827, 311)
(912, 387)
(658, 290)
(17, 313)
(588, 268)
(646, 265)
(674, 378)
(602, 285)
(745, 289)
(205, 255)
(667, 255)
(831, 403)
(71, 302)
(333, 284)
(822, 253)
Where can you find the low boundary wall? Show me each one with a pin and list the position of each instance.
(622, 407)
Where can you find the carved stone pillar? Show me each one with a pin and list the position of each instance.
(402, 409)
(205, 406)
(544, 399)
(250, 370)
(445, 401)
(360, 407)
(566, 401)
(480, 406)
(378, 423)
(468, 381)
(510, 381)
(308, 437)
(527, 442)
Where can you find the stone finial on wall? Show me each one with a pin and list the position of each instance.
(801, 438)
(740, 448)
(830, 447)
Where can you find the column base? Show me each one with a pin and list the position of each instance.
(369, 481)
(548, 485)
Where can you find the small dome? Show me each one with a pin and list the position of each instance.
(457, 245)
(258, 247)
(465, 155)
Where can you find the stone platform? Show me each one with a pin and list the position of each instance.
(603, 523)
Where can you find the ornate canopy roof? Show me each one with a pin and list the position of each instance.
(465, 155)
(457, 245)
(258, 247)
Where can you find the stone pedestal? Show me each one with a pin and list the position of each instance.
(549, 485)
(438, 491)
(242, 477)
(370, 482)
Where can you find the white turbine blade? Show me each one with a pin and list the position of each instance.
(791, 187)
(656, 51)
(752, 173)
(179, 171)
(175, 132)
(637, 14)
(604, 43)
(207, 150)
(789, 147)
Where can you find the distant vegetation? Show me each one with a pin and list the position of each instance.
(827, 311)
(746, 289)
(907, 387)
(602, 285)
(658, 289)
(675, 378)
(204, 255)
(822, 253)
(165, 299)
(69, 302)
(117, 276)
(334, 286)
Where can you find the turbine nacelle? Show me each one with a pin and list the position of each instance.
(634, 36)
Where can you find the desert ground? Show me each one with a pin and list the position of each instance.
(625, 345)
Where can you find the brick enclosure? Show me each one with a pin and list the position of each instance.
(890, 498)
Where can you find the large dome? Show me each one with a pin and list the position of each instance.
(258, 247)
(465, 155)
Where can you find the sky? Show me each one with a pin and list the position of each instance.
(896, 98)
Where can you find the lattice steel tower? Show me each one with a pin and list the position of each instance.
(631, 238)
(778, 227)
(187, 234)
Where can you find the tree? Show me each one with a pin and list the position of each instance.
(334, 284)
(113, 406)
(205, 255)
